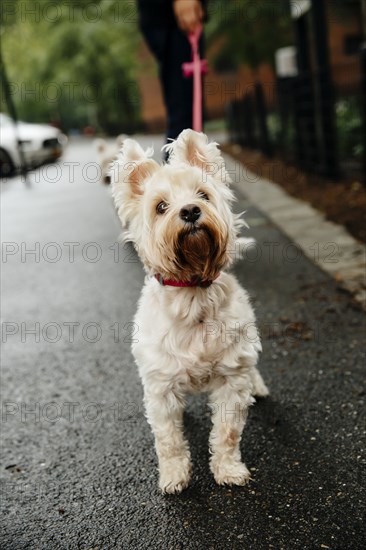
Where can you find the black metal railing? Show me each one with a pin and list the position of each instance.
(289, 122)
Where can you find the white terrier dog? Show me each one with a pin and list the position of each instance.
(107, 154)
(196, 326)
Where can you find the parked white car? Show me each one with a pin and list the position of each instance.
(41, 143)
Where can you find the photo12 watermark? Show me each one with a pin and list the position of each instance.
(71, 11)
(71, 332)
(248, 250)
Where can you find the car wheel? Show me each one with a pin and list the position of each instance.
(6, 164)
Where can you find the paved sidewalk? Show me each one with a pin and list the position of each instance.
(327, 244)
(78, 467)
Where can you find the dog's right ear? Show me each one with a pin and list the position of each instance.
(194, 149)
(129, 172)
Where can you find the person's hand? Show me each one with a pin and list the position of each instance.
(188, 13)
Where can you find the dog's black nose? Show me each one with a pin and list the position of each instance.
(190, 213)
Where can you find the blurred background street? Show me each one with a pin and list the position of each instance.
(285, 99)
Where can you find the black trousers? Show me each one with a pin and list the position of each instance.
(171, 48)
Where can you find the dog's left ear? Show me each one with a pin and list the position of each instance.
(194, 149)
(132, 168)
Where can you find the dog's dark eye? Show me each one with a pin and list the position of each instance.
(162, 207)
(203, 195)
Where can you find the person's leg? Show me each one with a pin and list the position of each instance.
(178, 90)
(171, 49)
(156, 38)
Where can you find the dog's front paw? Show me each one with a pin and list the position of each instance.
(259, 387)
(175, 474)
(230, 472)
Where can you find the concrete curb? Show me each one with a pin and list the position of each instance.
(327, 244)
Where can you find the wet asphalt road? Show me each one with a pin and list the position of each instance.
(78, 468)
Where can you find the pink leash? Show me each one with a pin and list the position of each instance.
(196, 68)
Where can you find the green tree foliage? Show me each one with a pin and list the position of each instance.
(73, 61)
(250, 31)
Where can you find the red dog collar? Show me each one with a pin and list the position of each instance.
(194, 282)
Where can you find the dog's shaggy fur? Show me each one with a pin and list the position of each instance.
(190, 339)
